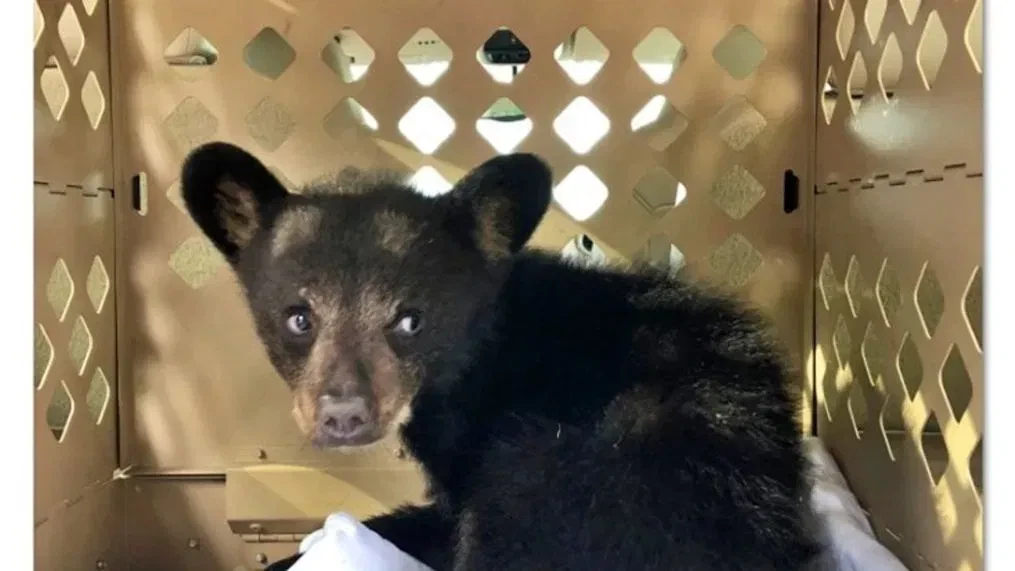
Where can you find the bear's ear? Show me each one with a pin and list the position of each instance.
(229, 194)
(502, 202)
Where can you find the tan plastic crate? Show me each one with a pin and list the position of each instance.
(162, 444)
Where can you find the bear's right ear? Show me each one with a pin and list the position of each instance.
(229, 194)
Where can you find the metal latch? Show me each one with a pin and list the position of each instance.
(259, 537)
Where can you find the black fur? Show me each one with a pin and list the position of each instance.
(582, 418)
(206, 199)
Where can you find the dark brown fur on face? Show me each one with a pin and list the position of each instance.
(356, 290)
(356, 255)
(350, 358)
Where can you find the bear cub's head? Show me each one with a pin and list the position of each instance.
(361, 288)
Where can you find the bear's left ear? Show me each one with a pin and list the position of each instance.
(502, 202)
(230, 194)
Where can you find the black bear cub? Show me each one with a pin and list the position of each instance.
(567, 418)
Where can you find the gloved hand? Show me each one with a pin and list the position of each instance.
(345, 543)
(847, 531)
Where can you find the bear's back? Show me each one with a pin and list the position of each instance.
(632, 421)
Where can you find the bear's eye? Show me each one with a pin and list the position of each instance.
(298, 321)
(408, 323)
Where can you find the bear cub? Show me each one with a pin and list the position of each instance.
(566, 417)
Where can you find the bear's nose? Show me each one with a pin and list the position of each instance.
(343, 422)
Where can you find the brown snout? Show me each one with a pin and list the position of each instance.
(348, 421)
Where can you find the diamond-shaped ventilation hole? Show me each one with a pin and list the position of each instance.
(976, 467)
(659, 123)
(856, 286)
(426, 125)
(97, 284)
(97, 398)
(829, 95)
(844, 29)
(581, 193)
(504, 125)
(910, 366)
(856, 83)
(269, 124)
(739, 123)
(40, 24)
(174, 196)
(581, 125)
(910, 8)
(348, 55)
(737, 192)
(60, 289)
(740, 52)
(828, 283)
(889, 293)
(873, 16)
(658, 191)
(661, 254)
(59, 412)
(735, 261)
(191, 123)
(348, 115)
(890, 67)
(972, 307)
(935, 453)
(71, 35)
(196, 261)
(90, 6)
(80, 346)
(54, 87)
(660, 55)
(503, 55)
(829, 384)
(890, 419)
(268, 54)
(43, 355)
(957, 385)
(974, 36)
(842, 342)
(873, 353)
(425, 56)
(581, 55)
(93, 100)
(190, 49)
(857, 403)
(428, 181)
(930, 53)
(930, 300)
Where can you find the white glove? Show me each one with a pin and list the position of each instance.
(852, 541)
(346, 544)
